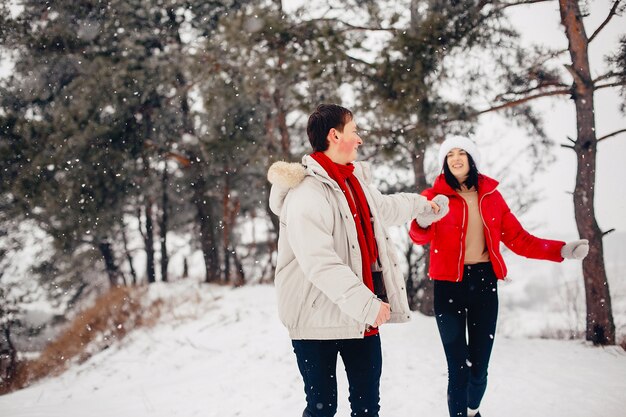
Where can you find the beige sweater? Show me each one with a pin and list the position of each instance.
(475, 246)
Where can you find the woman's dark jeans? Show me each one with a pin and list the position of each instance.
(469, 305)
(317, 360)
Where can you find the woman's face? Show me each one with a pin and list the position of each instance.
(458, 163)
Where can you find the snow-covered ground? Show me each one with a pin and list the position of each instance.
(223, 352)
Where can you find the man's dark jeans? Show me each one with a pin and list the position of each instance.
(317, 360)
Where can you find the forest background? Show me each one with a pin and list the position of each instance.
(135, 138)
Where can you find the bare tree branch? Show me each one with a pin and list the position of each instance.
(517, 102)
(608, 231)
(617, 84)
(612, 13)
(530, 90)
(141, 232)
(348, 26)
(521, 2)
(617, 132)
(605, 76)
(565, 145)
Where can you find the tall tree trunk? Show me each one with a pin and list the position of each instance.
(129, 257)
(272, 151)
(200, 197)
(205, 221)
(230, 210)
(240, 277)
(113, 271)
(149, 243)
(9, 368)
(273, 218)
(164, 225)
(281, 114)
(421, 297)
(421, 289)
(148, 233)
(600, 328)
(226, 227)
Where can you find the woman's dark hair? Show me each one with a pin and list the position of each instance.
(472, 175)
(324, 118)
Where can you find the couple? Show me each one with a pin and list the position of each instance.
(338, 278)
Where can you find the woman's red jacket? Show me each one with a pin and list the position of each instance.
(447, 236)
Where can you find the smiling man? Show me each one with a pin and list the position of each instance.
(337, 274)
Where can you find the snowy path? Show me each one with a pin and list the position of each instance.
(236, 360)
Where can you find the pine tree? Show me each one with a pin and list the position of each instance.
(96, 100)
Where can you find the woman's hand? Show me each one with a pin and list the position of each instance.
(434, 206)
(577, 249)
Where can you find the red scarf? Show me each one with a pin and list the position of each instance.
(344, 176)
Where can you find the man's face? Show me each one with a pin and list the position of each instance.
(348, 144)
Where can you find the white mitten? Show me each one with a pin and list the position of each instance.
(577, 249)
(429, 217)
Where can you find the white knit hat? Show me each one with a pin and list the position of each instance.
(460, 142)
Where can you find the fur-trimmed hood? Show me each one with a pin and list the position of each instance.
(287, 175)
(283, 176)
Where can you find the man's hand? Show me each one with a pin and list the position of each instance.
(384, 314)
(438, 209)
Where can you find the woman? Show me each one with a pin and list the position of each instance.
(465, 263)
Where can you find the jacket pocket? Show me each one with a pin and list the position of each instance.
(318, 311)
(289, 285)
(312, 298)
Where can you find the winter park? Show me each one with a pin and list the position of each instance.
(284, 208)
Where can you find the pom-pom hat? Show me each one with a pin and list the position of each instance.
(460, 142)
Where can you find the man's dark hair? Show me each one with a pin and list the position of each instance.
(472, 175)
(324, 118)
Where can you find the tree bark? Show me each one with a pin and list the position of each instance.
(281, 119)
(164, 225)
(205, 221)
(226, 226)
(149, 243)
(600, 328)
(129, 257)
(9, 368)
(113, 271)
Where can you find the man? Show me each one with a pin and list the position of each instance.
(337, 274)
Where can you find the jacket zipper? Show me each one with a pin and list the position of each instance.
(491, 250)
(462, 252)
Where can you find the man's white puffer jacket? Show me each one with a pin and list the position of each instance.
(321, 294)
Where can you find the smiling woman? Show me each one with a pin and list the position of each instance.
(466, 264)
